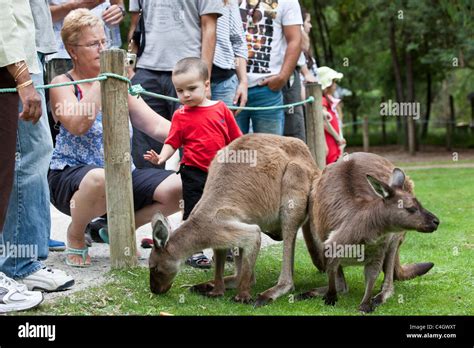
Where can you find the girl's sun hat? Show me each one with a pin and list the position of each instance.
(327, 75)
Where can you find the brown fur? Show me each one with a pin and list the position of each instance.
(346, 210)
(239, 202)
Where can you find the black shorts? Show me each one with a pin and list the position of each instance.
(64, 183)
(193, 180)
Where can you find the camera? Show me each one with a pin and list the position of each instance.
(131, 60)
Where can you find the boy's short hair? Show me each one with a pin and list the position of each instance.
(187, 64)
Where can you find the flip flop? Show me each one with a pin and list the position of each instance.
(82, 252)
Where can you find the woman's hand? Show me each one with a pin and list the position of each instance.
(153, 157)
(113, 15)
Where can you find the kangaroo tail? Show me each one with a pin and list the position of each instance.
(314, 246)
(410, 271)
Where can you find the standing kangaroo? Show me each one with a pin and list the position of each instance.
(240, 201)
(364, 200)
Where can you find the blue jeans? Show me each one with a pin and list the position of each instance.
(28, 222)
(225, 90)
(263, 121)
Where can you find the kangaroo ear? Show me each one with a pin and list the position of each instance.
(397, 179)
(381, 189)
(160, 231)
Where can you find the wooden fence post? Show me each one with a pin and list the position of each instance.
(365, 134)
(450, 125)
(118, 177)
(314, 125)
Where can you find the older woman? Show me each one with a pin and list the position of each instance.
(76, 177)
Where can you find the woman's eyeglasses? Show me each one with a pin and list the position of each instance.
(97, 44)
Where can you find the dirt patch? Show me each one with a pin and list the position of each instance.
(396, 154)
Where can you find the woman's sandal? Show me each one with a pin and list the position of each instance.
(81, 252)
(199, 261)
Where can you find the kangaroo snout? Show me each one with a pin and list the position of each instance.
(156, 287)
(431, 224)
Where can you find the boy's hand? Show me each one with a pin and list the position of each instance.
(153, 157)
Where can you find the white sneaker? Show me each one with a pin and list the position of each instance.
(15, 297)
(48, 279)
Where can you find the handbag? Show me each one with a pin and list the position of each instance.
(139, 34)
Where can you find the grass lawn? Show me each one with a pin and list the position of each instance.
(446, 290)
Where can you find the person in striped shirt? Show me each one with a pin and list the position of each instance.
(229, 70)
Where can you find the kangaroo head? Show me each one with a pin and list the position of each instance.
(163, 266)
(404, 211)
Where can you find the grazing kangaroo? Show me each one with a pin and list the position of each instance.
(364, 200)
(240, 201)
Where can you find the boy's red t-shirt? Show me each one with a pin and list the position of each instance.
(202, 131)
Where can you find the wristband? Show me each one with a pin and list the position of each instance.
(24, 84)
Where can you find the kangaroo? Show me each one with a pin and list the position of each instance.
(240, 201)
(364, 200)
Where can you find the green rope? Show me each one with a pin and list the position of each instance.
(137, 90)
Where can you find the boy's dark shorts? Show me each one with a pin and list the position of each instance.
(64, 183)
(193, 180)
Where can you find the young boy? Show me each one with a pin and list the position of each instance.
(202, 127)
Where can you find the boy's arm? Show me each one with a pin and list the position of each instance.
(166, 152)
(232, 126)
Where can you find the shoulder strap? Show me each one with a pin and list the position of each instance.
(76, 89)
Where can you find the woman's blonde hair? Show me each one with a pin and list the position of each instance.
(75, 22)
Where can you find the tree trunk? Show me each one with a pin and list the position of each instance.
(326, 28)
(384, 130)
(424, 133)
(396, 72)
(410, 98)
(450, 124)
(321, 34)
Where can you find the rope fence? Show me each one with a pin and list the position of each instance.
(138, 90)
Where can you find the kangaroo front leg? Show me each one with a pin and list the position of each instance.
(371, 272)
(388, 268)
(248, 256)
(219, 285)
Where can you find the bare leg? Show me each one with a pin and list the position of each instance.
(166, 200)
(87, 203)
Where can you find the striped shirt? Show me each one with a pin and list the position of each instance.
(231, 41)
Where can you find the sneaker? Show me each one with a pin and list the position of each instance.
(93, 229)
(48, 279)
(15, 297)
(147, 243)
(56, 245)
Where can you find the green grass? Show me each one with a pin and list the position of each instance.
(446, 290)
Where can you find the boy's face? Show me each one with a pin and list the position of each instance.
(191, 89)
